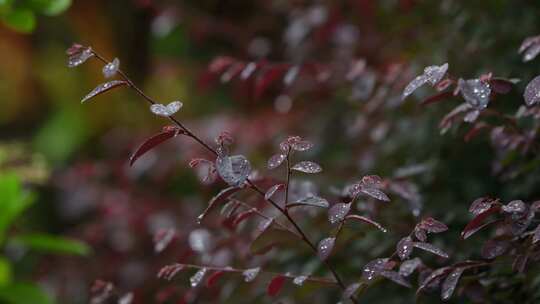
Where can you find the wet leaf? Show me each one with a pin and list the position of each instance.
(272, 190)
(404, 248)
(314, 201)
(351, 290)
(166, 110)
(104, 87)
(396, 278)
(111, 68)
(409, 266)
(532, 92)
(251, 274)
(432, 225)
(234, 170)
(299, 280)
(475, 92)
(449, 284)
(374, 268)
(364, 219)
(325, 247)
(478, 220)
(276, 160)
(197, 278)
(338, 212)
(307, 167)
(275, 285)
(376, 194)
(430, 248)
(153, 142)
(536, 235)
(437, 274)
(78, 55)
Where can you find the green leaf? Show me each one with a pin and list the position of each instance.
(13, 201)
(21, 20)
(52, 244)
(56, 7)
(5, 272)
(23, 293)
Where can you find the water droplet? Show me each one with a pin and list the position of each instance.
(168, 110)
(103, 88)
(404, 248)
(111, 68)
(126, 299)
(299, 280)
(307, 167)
(251, 274)
(234, 170)
(325, 247)
(196, 279)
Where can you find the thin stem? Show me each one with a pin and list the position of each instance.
(288, 178)
(252, 185)
(239, 270)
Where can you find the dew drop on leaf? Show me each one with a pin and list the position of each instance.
(102, 88)
(234, 170)
(273, 190)
(299, 280)
(404, 248)
(166, 110)
(196, 279)
(325, 247)
(409, 266)
(251, 274)
(430, 248)
(373, 269)
(338, 212)
(307, 167)
(475, 92)
(111, 68)
(532, 92)
(376, 194)
(80, 57)
(276, 160)
(449, 284)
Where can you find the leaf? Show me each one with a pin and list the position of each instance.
(21, 20)
(276, 160)
(351, 290)
(221, 197)
(214, 277)
(314, 201)
(466, 235)
(251, 274)
(404, 248)
(52, 244)
(376, 194)
(501, 85)
(432, 225)
(449, 284)
(476, 222)
(273, 190)
(395, 277)
(365, 220)
(166, 110)
(244, 215)
(272, 237)
(494, 248)
(234, 170)
(13, 201)
(536, 235)
(275, 285)
(476, 92)
(266, 78)
(532, 90)
(436, 274)
(338, 212)
(307, 167)
(104, 87)
(56, 7)
(409, 266)
(170, 271)
(153, 142)
(325, 247)
(437, 98)
(430, 248)
(24, 293)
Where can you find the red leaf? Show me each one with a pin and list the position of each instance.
(432, 225)
(477, 221)
(365, 220)
(265, 79)
(501, 85)
(214, 277)
(152, 142)
(243, 216)
(104, 87)
(275, 285)
(474, 131)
